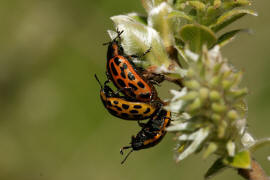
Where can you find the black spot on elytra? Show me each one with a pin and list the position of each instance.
(137, 106)
(123, 73)
(118, 108)
(134, 111)
(133, 86)
(125, 66)
(109, 103)
(125, 106)
(117, 61)
(124, 115)
(115, 102)
(112, 111)
(131, 76)
(147, 111)
(145, 95)
(113, 69)
(121, 82)
(140, 84)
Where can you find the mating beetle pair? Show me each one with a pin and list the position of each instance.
(140, 100)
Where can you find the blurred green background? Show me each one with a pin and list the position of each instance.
(52, 123)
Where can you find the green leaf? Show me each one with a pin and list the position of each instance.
(229, 17)
(227, 37)
(212, 13)
(180, 14)
(215, 168)
(234, 4)
(259, 144)
(240, 160)
(196, 36)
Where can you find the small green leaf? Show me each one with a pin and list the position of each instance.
(259, 144)
(212, 13)
(229, 17)
(234, 4)
(240, 160)
(229, 36)
(215, 168)
(180, 14)
(196, 36)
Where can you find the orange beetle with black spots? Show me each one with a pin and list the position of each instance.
(125, 76)
(124, 108)
(151, 133)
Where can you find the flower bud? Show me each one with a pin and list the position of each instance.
(203, 93)
(215, 81)
(239, 93)
(217, 3)
(195, 105)
(230, 148)
(222, 129)
(219, 108)
(232, 114)
(211, 148)
(190, 73)
(226, 84)
(214, 95)
(192, 84)
(216, 118)
(190, 96)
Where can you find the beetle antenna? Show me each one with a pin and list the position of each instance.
(121, 152)
(98, 81)
(118, 36)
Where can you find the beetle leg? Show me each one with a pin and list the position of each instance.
(122, 89)
(108, 76)
(141, 124)
(155, 82)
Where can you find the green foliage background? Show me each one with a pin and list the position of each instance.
(52, 123)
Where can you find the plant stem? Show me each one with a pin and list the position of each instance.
(255, 173)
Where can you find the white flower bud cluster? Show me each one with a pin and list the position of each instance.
(215, 104)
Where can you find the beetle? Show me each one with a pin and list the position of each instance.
(125, 75)
(123, 107)
(151, 133)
